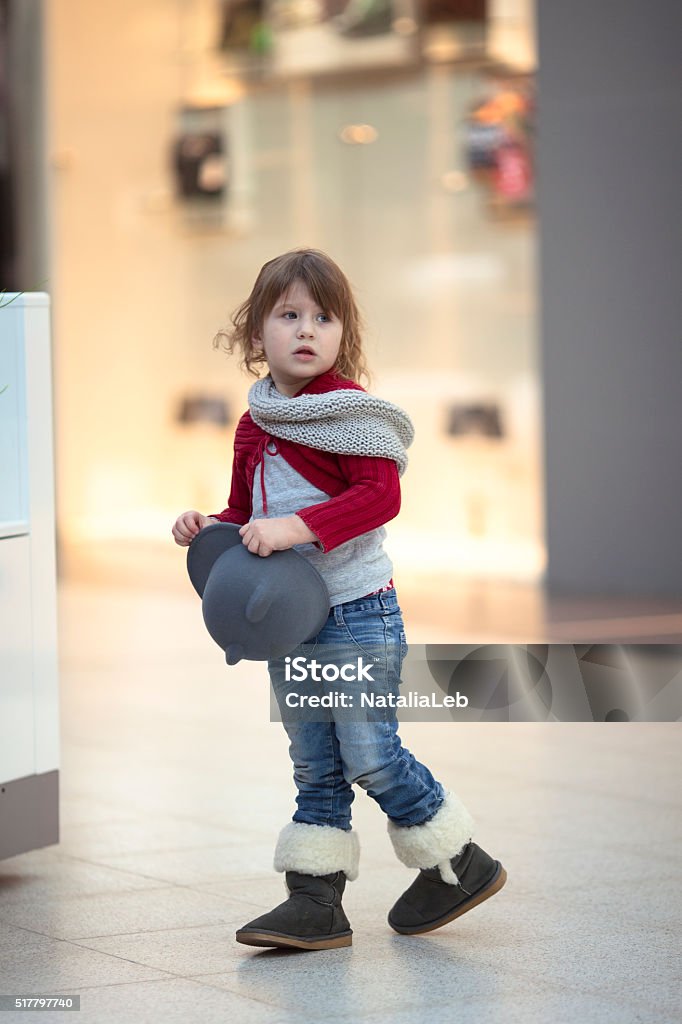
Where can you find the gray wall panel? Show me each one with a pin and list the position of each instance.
(610, 234)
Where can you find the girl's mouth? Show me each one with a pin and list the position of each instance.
(304, 352)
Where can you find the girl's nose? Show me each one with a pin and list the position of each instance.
(305, 329)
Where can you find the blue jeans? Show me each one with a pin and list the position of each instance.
(333, 749)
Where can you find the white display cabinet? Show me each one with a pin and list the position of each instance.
(29, 697)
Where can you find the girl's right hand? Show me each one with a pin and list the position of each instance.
(187, 526)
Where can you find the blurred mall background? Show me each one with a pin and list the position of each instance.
(156, 152)
(503, 191)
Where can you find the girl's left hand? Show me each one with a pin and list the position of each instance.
(263, 536)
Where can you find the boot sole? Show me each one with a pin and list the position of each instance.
(279, 939)
(498, 880)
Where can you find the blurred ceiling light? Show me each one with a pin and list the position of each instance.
(358, 134)
(454, 181)
(405, 26)
(440, 46)
(216, 93)
(233, 89)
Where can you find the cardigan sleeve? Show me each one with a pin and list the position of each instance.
(371, 499)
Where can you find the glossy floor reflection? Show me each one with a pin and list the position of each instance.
(174, 786)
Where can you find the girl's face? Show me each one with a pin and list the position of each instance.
(300, 341)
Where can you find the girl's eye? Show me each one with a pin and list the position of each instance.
(289, 314)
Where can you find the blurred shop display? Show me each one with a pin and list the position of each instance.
(284, 38)
(203, 408)
(480, 419)
(454, 10)
(472, 497)
(476, 428)
(201, 420)
(453, 30)
(362, 18)
(499, 143)
(199, 154)
(270, 39)
(244, 28)
(200, 167)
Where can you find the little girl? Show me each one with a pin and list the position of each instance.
(317, 462)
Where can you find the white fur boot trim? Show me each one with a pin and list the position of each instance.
(317, 850)
(434, 843)
(446, 872)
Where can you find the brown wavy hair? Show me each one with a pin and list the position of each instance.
(330, 289)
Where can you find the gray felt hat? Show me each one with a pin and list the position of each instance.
(255, 608)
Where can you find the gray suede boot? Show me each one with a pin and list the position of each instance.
(455, 874)
(311, 918)
(430, 902)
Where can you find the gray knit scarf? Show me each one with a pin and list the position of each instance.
(346, 422)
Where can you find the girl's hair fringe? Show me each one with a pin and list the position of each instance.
(330, 289)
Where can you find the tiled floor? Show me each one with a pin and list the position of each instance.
(175, 784)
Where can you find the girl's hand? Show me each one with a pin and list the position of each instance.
(263, 536)
(188, 525)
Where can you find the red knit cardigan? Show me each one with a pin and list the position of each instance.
(365, 491)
